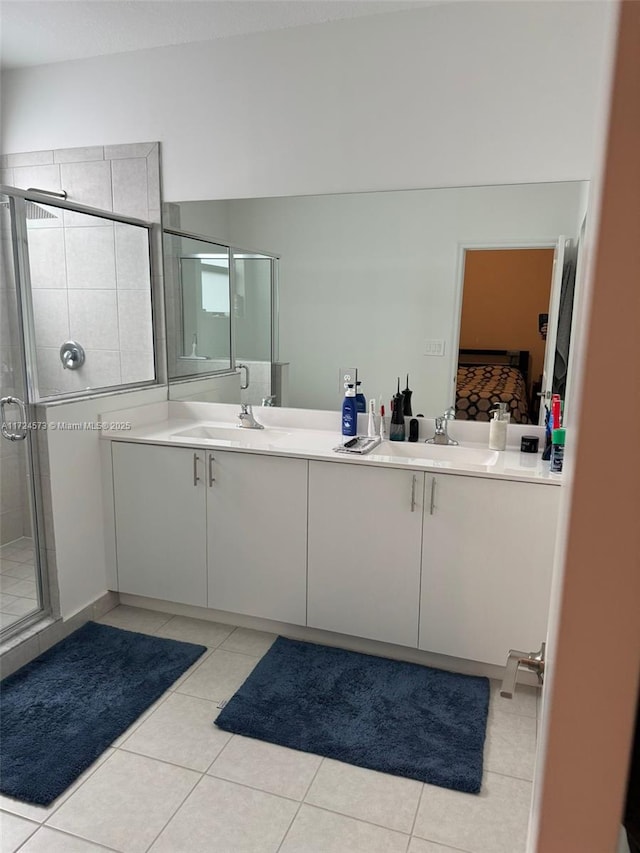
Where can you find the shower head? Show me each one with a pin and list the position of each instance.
(33, 211)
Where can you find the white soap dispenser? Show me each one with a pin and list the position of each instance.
(498, 428)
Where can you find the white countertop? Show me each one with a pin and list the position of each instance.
(280, 439)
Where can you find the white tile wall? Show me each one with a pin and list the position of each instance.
(51, 317)
(37, 177)
(130, 187)
(47, 258)
(27, 158)
(132, 253)
(77, 155)
(134, 321)
(90, 255)
(89, 183)
(93, 318)
(78, 261)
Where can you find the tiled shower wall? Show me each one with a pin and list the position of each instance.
(89, 276)
(122, 178)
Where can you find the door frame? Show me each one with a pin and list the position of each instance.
(462, 248)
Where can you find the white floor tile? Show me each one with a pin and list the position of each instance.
(14, 831)
(381, 798)
(48, 840)
(267, 766)
(22, 571)
(249, 642)
(22, 555)
(510, 746)
(493, 821)
(126, 802)
(200, 631)
(180, 731)
(318, 831)
(189, 672)
(20, 606)
(24, 588)
(134, 725)
(418, 845)
(42, 813)
(7, 582)
(219, 676)
(135, 619)
(226, 818)
(523, 702)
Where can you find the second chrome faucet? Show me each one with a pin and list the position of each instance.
(247, 420)
(441, 436)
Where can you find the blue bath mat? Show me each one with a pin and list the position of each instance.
(387, 715)
(62, 710)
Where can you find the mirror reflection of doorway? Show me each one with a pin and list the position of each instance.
(502, 348)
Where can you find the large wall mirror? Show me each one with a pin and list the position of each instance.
(380, 281)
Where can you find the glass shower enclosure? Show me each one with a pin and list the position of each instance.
(221, 314)
(76, 318)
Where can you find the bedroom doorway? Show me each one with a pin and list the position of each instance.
(508, 323)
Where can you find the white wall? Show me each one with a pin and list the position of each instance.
(452, 94)
(366, 278)
(77, 498)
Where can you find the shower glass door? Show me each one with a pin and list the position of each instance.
(23, 592)
(253, 325)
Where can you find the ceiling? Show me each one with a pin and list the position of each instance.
(36, 32)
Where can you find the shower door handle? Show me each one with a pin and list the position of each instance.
(21, 434)
(246, 384)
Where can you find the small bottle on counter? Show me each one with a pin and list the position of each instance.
(557, 450)
(498, 428)
(349, 412)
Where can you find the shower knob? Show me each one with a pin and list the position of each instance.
(71, 355)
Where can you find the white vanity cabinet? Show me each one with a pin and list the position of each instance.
(215, 529)
(451, 564)
(161, 540)
(486, 566)
(257, 535)
(365, 529)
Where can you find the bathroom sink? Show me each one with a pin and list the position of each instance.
(451, 454)
(232, 434)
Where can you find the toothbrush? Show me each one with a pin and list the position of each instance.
(371, 426)
(382, 430)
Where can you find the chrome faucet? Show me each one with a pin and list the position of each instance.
(441, 436)
(247, 421)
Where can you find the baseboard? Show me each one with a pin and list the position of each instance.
(315, 635)
(42, 635)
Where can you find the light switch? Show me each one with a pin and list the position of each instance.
(434, 347)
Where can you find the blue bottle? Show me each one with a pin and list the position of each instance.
(361, 402)
(349, 412)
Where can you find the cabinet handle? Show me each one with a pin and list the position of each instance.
(413, 493)
(196, 479)
(212, 479)
(432, 505)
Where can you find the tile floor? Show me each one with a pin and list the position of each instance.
(173, 783)
(18, 590)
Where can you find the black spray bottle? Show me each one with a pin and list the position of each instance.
(396, 428)
(406, 400)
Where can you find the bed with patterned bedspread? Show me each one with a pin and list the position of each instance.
(481, 387)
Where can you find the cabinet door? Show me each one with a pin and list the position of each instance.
(257, 535)
(365, 527)
(160, 522)
(486, 566)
